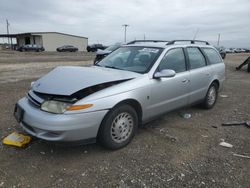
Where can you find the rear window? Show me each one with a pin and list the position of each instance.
(212, 55)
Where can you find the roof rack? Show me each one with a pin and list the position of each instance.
(191, 41)
(136, 41)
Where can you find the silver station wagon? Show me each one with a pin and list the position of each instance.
(133, 85)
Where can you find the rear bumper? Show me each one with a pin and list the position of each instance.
(59, 127)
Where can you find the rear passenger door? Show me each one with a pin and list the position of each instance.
(200, 74)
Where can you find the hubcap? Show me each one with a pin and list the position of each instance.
(211, 96)
(121, 127)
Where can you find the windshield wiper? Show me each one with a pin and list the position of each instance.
(111, 67)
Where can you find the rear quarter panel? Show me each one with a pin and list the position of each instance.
(218, 73)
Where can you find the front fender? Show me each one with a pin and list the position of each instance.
(141, 95)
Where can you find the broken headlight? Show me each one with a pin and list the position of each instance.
(57, 107)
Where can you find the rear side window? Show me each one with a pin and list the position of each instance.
(212, 55)
(196, 59)
(174, 60)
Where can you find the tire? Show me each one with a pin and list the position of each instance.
(248, 67)
(118, 127)
(211, 96)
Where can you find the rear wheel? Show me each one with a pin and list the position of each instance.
(211, 96)
(118, 127)
(248, 67)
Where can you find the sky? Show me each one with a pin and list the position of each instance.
(101, 20)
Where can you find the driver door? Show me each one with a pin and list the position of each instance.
(170, 93)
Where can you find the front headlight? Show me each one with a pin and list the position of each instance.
(57, 107)
(31, 84)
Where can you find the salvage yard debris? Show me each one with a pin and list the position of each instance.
(246, 123)
(243, 156)
(16, 139)
(185, 115)
(246, 62)
(1, 184)
(224, 96)
(225, 144)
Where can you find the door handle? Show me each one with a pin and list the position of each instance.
(207, 74)
(185, 80)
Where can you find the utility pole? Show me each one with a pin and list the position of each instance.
(144, 37)
(125, 32)
(218, 42)
(8, 24)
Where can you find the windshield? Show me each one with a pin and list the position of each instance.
(131, 58)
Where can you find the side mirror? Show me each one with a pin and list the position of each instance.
(165, 73)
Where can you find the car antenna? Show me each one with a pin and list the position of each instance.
(195, 34)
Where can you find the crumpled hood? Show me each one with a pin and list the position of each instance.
(67, 80)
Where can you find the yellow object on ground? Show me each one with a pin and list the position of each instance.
(16, 139)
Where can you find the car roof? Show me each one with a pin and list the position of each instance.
(164, 45)
(167, 44)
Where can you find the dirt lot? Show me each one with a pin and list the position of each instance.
(169, 152)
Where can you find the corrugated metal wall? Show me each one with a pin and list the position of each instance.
(51, 41)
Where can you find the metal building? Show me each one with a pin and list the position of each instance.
(49, 40)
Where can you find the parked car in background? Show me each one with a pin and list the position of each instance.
(247, 50)
(133, 85)
(239, 50)
(100, 54)
(222, 51)
(31, 47)
(95, 47)
(229, 50)
(67, 48)
(233, 49)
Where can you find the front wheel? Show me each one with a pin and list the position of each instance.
(211, 96)
(118, 127)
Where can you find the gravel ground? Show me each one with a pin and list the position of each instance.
(169, 152)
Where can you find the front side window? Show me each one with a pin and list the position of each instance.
(212, 55)
(174, 60)
(131, 58)
(196, 59)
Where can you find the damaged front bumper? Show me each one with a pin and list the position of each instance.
(59, 127)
